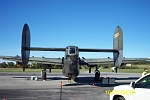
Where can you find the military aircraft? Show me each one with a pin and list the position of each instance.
(71, 62)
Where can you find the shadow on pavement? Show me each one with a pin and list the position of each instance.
(90, 81)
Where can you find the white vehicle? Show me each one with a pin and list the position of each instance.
(138, 90)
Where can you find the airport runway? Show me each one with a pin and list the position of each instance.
(18, 86)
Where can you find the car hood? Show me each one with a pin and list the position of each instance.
(122, 87)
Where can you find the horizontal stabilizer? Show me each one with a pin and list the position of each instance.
(97, 50)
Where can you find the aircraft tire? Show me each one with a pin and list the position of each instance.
(119, 98)
(43, 75)
(97, 75)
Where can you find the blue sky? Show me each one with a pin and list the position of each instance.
(83, 23)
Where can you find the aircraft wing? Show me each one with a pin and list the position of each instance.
(110, 60)
(11, 58)
(54, 61)
(84, 61)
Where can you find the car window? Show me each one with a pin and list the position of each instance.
(143, 83)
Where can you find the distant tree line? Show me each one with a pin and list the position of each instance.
(141, 62)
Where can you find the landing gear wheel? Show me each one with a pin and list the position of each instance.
(119, 98)
(43, 75)
(70, 77)
(97, 75)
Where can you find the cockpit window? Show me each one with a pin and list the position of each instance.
(72, 50)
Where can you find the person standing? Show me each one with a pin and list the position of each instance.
(145, 72)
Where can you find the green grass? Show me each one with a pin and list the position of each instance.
(140, 70)
(60, 70)
(32, 70)
(18, 70)
(124, 70)
(143, 66)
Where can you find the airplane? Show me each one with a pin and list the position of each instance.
(71, 62)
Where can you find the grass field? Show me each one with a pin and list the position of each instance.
(140, 70)
(143, 66)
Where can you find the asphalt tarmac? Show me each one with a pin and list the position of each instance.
(19, 86)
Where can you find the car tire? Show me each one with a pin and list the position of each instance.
(119, 98)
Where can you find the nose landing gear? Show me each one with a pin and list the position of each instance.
(70, 77)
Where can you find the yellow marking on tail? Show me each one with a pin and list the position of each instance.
(116, 35)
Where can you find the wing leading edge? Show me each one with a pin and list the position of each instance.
(55, 61)
(111, 61)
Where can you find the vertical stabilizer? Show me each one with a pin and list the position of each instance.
(118, 45)
(25, 45)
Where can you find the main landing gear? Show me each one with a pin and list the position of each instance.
(97, 74)
(43, 73)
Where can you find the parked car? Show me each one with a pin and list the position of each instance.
(138, 90)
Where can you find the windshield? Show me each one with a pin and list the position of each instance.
(72, 50)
